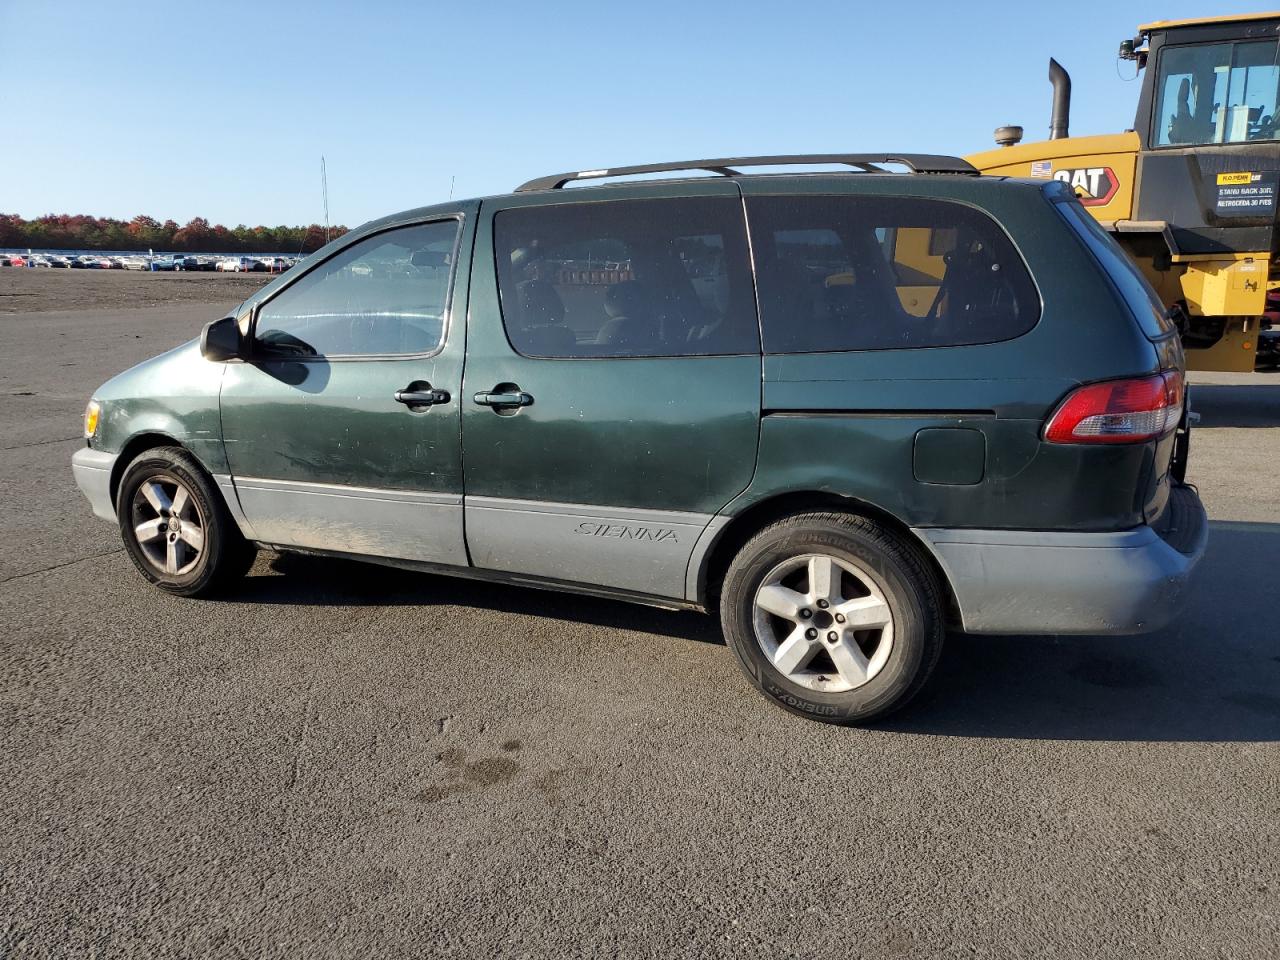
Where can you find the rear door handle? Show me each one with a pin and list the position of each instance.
(421, 394)
(515, 399)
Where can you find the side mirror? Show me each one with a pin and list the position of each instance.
(220, 340)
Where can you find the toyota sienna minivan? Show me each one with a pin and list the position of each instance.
(845, 411)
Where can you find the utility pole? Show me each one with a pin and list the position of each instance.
(324, 189)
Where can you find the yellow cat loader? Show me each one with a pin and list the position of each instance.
(1191, 191)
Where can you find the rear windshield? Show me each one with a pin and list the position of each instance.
(1129, 281)
(877, 273)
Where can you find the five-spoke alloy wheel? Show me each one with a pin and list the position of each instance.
(823, 622)
(175, 525)
(168, 524)
(833, 616)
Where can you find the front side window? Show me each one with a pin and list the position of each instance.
(626, 278)
(876, 273)
(383, 296)
(1218, 93)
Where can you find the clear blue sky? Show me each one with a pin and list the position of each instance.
(223, 109)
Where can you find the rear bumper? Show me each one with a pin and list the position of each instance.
(92, 470)
(1046, 582)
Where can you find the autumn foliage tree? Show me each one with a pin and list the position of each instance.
(79, 232)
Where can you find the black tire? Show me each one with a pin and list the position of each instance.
(907, 583)
(224, 554)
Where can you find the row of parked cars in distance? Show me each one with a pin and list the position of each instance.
(173, 262)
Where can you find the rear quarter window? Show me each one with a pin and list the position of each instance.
(839, 273)
(1129, 282)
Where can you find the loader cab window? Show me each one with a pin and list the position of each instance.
(1218, 93)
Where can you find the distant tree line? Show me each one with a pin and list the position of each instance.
(67, 232)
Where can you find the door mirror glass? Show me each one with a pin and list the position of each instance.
(220, 340)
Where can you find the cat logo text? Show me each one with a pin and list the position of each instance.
(1095, 186)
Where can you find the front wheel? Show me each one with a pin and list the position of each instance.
(175, 526)
(832, 616)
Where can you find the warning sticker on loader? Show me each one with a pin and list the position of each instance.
(1246, 194)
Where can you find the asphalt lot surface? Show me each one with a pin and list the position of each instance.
(341, 760)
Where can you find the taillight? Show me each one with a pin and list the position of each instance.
(1119, 411)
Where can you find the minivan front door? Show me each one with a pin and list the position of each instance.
(612, 390)
(342, 429)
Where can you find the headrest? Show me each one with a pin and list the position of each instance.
(540, 304)
(626, 299)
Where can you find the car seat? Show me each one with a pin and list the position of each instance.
(632, 323)
(544, 331)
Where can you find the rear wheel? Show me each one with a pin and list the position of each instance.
(175, 526)
(832, 616)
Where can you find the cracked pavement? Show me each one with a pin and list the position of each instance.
(341, 760)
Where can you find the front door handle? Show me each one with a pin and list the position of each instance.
(421, 394)
(515, 398)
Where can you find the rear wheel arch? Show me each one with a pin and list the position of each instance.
(755, 518)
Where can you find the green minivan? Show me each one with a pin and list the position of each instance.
(844, 410)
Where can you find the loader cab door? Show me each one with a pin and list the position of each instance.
(1216, 92)
(1209, 121)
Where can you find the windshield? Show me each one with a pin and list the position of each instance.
(1218, 93)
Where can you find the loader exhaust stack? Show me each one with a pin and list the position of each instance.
(1061, 117)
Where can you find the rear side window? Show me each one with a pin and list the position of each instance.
(873, 273)
(627, 278)
(1129, 281)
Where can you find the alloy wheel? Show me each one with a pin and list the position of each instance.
(168, 525)
(823, 622)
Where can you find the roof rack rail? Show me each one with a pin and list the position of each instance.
(727, 166)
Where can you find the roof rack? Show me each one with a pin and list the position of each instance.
(727, 166)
